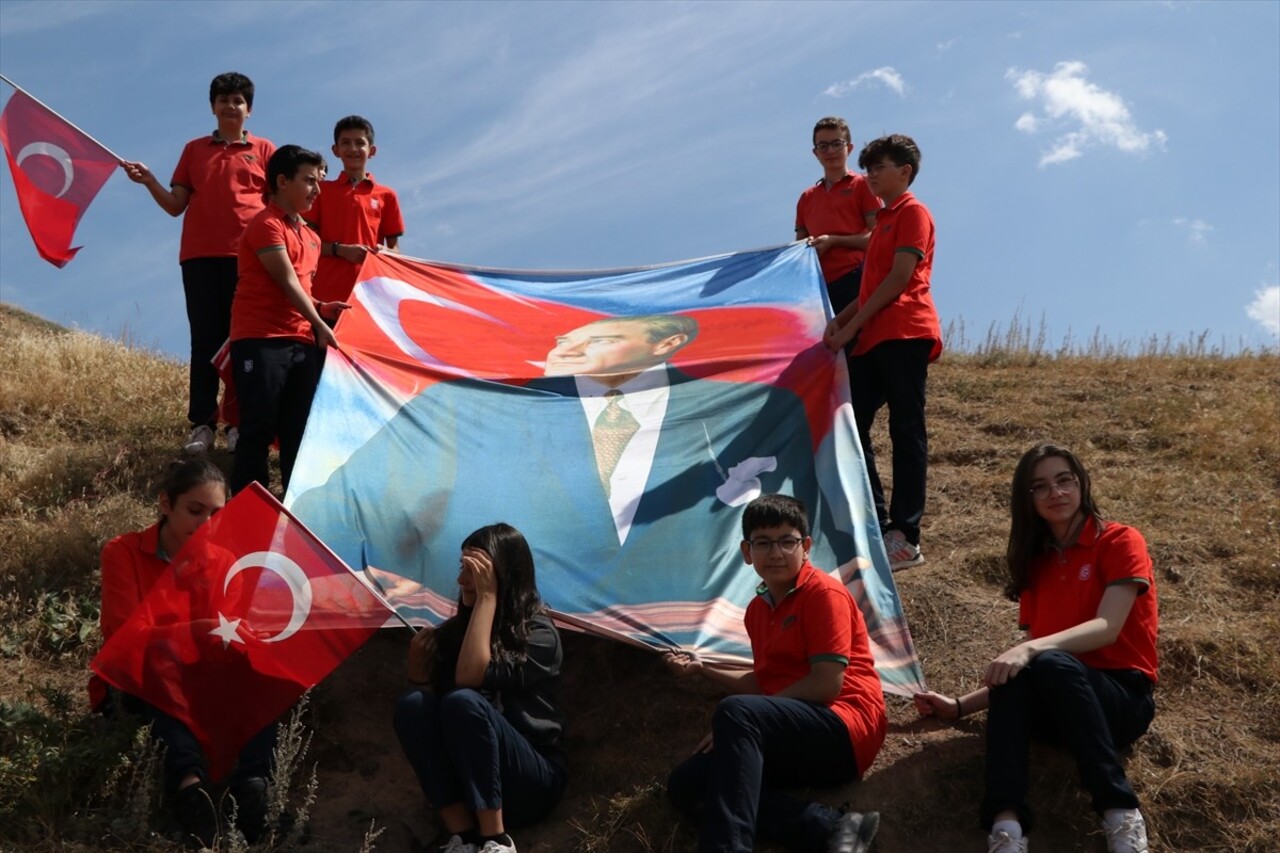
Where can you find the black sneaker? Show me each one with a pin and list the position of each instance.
(853, 832)
(251, 807)
(197, 816)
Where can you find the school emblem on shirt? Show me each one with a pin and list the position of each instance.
(248, 365)
(373, 203)
(789, 621)
(251, 157)
(1086, 571)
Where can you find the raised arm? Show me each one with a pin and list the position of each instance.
(172, 200)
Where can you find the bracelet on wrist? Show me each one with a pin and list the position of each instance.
(959, 707)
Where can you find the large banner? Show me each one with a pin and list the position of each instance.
(621, 420)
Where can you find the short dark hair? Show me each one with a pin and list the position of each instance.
(285, 162)
(774, 511)
(353, 123)
(231, 83)
(1029, 533)
(898, 149)
(833, 123)
(183, 475)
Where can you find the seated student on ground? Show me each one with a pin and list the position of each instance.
(192, 491)
(811, 710)
(481, 725)
(1084, 677)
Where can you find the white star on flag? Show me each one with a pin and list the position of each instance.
(227, 631)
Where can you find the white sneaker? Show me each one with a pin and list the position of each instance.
(506, 845)
(1003, 842)
(457, 845)
(1126, 831)
(233, 436)
(901, 553)
(200, 440)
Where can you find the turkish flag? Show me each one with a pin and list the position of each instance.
(57, 170)
(253, 612)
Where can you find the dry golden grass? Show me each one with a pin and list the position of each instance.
(1182, 442)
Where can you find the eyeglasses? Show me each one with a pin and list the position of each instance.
(883, 164)
(787, 545)
(1063, 484)
(833, 145)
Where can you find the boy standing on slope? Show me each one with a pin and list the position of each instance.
(278, 332)
(218, 183)
(810, 710)
(896, 334)
(837, 213)
(354, 215)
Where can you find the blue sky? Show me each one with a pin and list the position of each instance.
(1109, 167)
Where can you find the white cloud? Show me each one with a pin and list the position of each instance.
(1082, 113)
(943, 46)
(1265, 309)
(1027, 123)
(884, 74)
(1197, 229)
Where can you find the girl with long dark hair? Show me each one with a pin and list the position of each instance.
(481, 725)
(192, 491)
(1085, 674)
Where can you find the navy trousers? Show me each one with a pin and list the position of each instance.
(209, 285)
(762, 744)
(464, 751)
(894, 373)
(1094, 713)
(183, 756)
(275, 380)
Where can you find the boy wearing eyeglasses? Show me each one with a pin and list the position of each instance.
(895, 334)
(836, 214)
(809, 711)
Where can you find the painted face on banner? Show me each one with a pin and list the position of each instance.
(609, 348)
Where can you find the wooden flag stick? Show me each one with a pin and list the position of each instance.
(62, 118)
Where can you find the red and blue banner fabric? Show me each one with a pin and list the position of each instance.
(621, 420)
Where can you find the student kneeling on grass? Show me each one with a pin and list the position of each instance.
(812, 709)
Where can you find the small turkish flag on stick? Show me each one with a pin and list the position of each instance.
(57, 170)
(253, 612)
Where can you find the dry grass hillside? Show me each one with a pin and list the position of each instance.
(1184, 446)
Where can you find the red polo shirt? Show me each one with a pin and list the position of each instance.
(131, 565)
(904, 226)
(364, 213)
(226, 181)
(839, 209)
(260, 308)
(1066, 589)
(818, 620)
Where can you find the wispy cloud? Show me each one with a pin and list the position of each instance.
(884, 75)
(24, 18)
(1265, 309)
(1197, 229)
(1083, 114)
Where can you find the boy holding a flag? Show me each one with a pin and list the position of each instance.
(217, 187)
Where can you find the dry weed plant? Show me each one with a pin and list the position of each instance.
(371, 835)
(1181, 438)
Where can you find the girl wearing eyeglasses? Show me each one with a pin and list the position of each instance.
(1084, 676)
